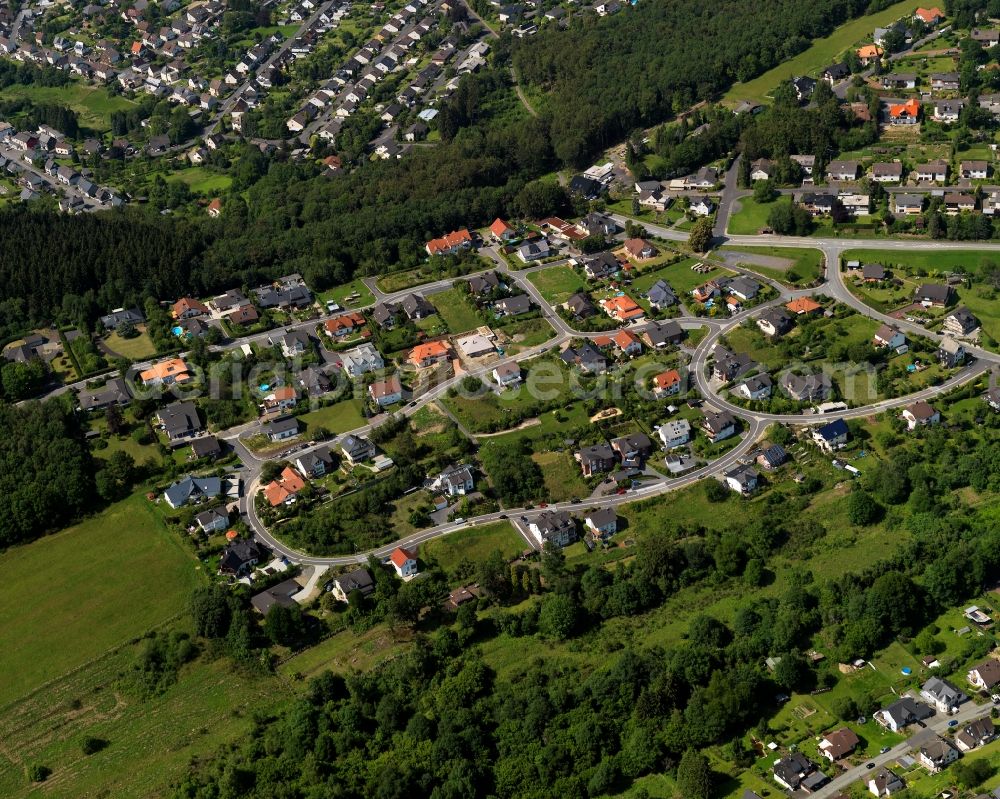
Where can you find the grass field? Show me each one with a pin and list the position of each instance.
(527, 334)
(808, 263)
(821, 53)
(339, 294)
(71, 596)
(135, 349)
(562, 476)
(337, 418)
(751, 217)
(93, 104)
(347, 651)
(557, 283)
(473, 543)
(201, 180)
(680, 276)
(150, 743)
(455, 309)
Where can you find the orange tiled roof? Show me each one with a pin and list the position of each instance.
(802, 305)
(624, 339)
(623, 307)
(290, 483)
(399, 557)
(870, 51)
(185, 304)
(175, 368)
(449, 240)
(430, 350)
(910, 108)
(500, 228)
(667, 379)
(929, 15)
(347, 321)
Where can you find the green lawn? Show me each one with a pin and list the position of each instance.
(473, 543)
(751, 216)
(202, 180)
(347, 651)
(71, 596)
(558, 283)
(808, 263)
(337, 418)
(135, 349)
(454, 307)
(820, 54)
(680, 276)
(339, 294)
(934, 262)
(562, 476)
(93, 104)
(527, 334)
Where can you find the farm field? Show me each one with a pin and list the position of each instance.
(820, 53)
(79, 582)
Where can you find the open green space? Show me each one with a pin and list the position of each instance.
(526, 334)
(751, 217)
(71, 596)
(202, 180)
(807, 268)
(558, 283)
(562, 476)
(821, 53)
(137, 348)
(680, 275)
(337, 418)
(93, 104)
(474, 544)
(341, 294)
(455, 308)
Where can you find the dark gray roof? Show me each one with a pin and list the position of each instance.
(357, 580)
(114, 391)
(192, 489)
(179, 418)
(280, 594)
(115, 318)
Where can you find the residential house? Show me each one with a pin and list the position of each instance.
(596, 459)
(887, 172)
(742, 479)
(902, 713)
(429, 354)
(280, 594)
(188, 308)
(933, 171)
(929, 16)
(950, 353)
(661, 296)
(700, 206)
(602, 522)
(831, 436)
(885, 783)
(869, 54)
(945, 81)
(315, 463)
(985, 676)
(359, 580)
(987, 37)
(942, 695)
(404, 562)
(513, 306)
(948, 111)
(755, 388)
(455, 481)
(888, 336)
(284, 489)
(206, 447)
(357, 449)
(842, 170)
(179, 421)
(600, 266)
(772, 457)
(718, 425)
(386, 392)
(113, 392)
(907, 113)
(936, 754)
(899, 80)
(507, 374)
(344, 325)
(806, 162)
(213, 520)
(623, 309)
(292, 343)
(907, 204)
(960, 322)
(667, 383)
(239, 557)
(483, 285)
(761, 169)
(633, 449)
(873, 273)
(838, 744)
(937, 294)
(282, 398)
(190, 490)
(501, 231)
(792, 770)
(587, 357)
(674, 433)
(640, 249)
(729, 365)
(580, 306)
(774, 322)
(974, 170)
(122, 316)
(281, 429)
(361, 360)
(804, 88)
(957, 202)
(165, 373)
(450, 243)
(975, 734)
(818, 203)
(555, 526)
(920, 414)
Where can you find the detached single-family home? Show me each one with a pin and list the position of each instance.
(742, 479)
(513, 306)
(357, 449)
(950, 353)
(907, 204)
(948, 111)
(960, 322)
(772, 457)
(623, 309)
(450, 243)
(555, 526)
(887, 172)
(936, 754)
(755, 388)
(945, 81)
(239, 556)
(899, 80)
(774, 322)
(944, 696)
(404, 562)
(667, 383)
(507, 374)
(674, 433)
(213, 520)
(284, 489)
(920, 414)
(831, 436)
(660, 335)
(974, 170)
(361, 360)
(888, 336)
(838, 744)
(190, 490)
(985, 676)
(602, 522)
(792, 770)
(386, 392)
(902, 713)
(933, 171)
(633, 448)
(343, 585)
(179, 421)
(281, 429)
(455, 481)
(937, 294)
(842, 170)
(975, 734)
(885, 783)
(718, 425)
(596, 459)
(428, 354)
(314, 464)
